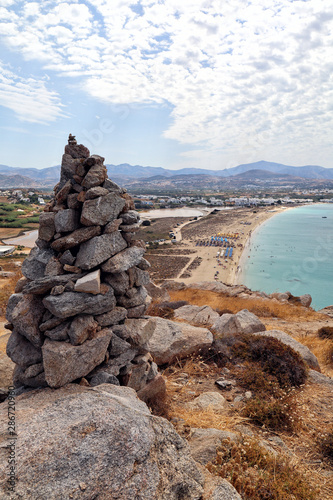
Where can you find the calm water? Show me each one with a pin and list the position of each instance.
(293, 251)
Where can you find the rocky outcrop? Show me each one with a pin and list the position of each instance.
(83, 279)
(197, 315)
(102, 442)
(171, 340)
(242, 322)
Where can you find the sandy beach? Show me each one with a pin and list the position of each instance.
(241, 221)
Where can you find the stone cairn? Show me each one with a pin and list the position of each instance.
(73, 315)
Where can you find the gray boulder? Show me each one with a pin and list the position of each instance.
(70, 303)
(249, 322)
(227, 324)
(204, 442)
(81, 328)
(113, 317)
(46, 229)
(172, 340)
(43, 285)
(124, 260)
(197, 315)
(305, 300)
(102, 210)
(33, 266)
(99, 249)
(157, 293)
(308, 357)
(118, 281)
(85, 442)
(66, 220)
(64, 362)
(210, 399)
(95, 176)
(224, 491)
(21, 351)
(25, 312)
(33, 376)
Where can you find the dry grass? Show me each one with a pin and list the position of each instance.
(259, 475)
(260, 307)
(322, 349)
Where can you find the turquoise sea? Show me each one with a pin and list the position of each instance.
(293, 251)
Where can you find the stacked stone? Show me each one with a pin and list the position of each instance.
(73, 314)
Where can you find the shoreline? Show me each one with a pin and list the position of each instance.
(228, 271)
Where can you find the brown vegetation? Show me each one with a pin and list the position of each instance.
(259, 475)
(261, 307)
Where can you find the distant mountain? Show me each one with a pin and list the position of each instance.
(126, 173)
(34, 173)
(17, 181)
(263, 175)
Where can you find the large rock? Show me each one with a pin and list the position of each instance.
(308, 357)
(96, 174)
(204, 443)
(118, 281)
(46, 226)
(227, 324)
(33, 266)
(197, 315)
(21, 351)
(124, 260)
(172, 340)
(99, 249)
(249, 322)
(82, 328)
(70, 303)
(102, 210)
(112, 317)
(25, 313)
(206, 400)
(43, 285)
(66, 220)
(76, 238)
(64, 362)
(224, 491)
(101, 442)
(305, 300)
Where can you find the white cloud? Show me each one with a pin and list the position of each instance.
(239, 76)
(30, 100)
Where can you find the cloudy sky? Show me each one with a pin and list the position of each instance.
(170, 83)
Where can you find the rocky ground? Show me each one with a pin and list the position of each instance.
(209, 394)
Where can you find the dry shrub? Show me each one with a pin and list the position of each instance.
(274, 357)
(279, 360)
(325, 444)
(259, 475)
(276, 414)
(326, 332)
(259, 306)
(321, 348)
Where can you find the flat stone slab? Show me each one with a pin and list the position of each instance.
(124, 260)
(70, 303)
(75, 238)
(213, 400)
(99, 249)
(43, 285)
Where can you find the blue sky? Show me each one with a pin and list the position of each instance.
(191, 83)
